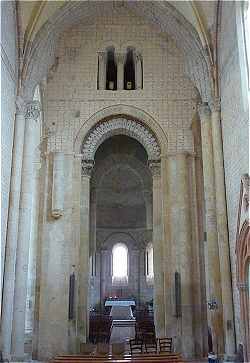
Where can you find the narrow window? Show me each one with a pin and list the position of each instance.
(129, 71)
(150, 264)
(111, 75)
(120, 264)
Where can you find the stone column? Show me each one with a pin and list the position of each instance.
(184, 233)
(102, 57)
(213, 263)
(93, 221)
(24, 224)
(195, 268)
(33, 248)
(159, 310)
(12, 230)
(120, 71)
(221, 210)
(147, 195)
(83, 276)
(57, 185)
(138, 71)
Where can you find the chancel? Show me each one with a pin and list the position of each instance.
(125, 181)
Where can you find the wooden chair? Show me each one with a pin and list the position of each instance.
(151, 346)
(136, 346)
(165, 345)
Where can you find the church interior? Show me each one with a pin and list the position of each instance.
(125, 181)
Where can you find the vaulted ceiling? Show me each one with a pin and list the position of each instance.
(188, 23)
(34, 15)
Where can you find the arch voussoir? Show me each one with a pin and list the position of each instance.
(120, 126)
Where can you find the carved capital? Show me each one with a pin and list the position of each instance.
(102, 56)
(138, 57)
(33, 110)
(155, 167)
(204, 111)
(87, 167)
(242, 286)
(246, 191)
(215, 104)
(20, 105)
(120, 57)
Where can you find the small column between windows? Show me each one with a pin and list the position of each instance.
(120, 71)
(102, 59)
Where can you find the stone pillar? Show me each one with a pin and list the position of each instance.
(184, 233)
(223, 242)
(33, 249)
(195, 268)
(147, 195)
(213, 263)
(83, 276)
(24, 224)
(159, 310)
(104, 273)
(57, 184)
(120, 71)
(102, 57)
(12, 230)
(93, 221)
(138, 71)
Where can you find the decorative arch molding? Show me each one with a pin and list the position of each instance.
(139, 125)
(242, 264)
(40, 55)
(120, 126)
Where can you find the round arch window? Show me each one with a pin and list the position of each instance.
(120, 264)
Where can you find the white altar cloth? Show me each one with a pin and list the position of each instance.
(120, 303)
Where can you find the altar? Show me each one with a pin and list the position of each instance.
(121, 309)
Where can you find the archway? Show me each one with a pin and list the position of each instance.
(122, 201)
(243, 282)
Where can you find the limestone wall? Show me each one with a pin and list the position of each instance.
(8, 94)
(72, 95)
(235, 125)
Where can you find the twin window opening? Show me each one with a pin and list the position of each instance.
(120, 71)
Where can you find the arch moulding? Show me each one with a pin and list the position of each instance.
(121, 120)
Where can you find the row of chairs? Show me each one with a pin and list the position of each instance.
(160, 345)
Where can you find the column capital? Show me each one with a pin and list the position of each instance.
(138, 56)
(87, 168)
(102, 55)
(155, 167)
(120, 57)
(242, 286)
(20, 105)
(33, 110)
(204, 111)
(246, 191)
(215, 104)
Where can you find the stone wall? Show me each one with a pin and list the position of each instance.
(72, 95)
(8, 95)
(234, 130)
